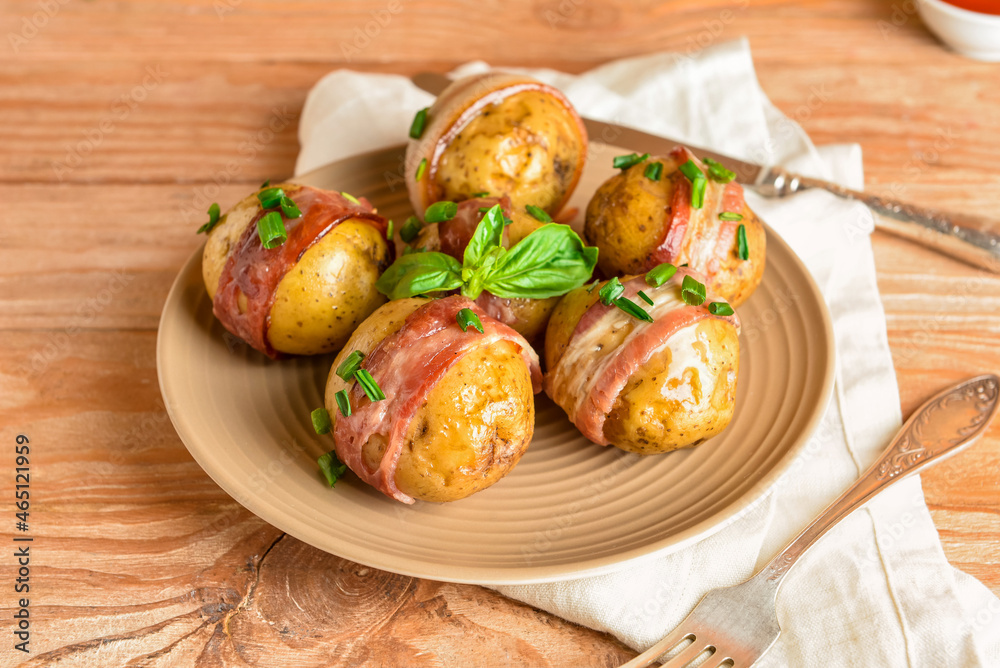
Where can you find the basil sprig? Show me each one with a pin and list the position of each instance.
(549, 262)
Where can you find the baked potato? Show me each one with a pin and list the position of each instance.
(458, 411)
(501, 134)
(644, 387)
(306, 295)
(638, 222)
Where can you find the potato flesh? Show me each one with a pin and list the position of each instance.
(473, 428)
(526, 146)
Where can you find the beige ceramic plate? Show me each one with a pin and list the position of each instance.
(570, 508)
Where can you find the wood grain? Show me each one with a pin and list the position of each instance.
(122, 121)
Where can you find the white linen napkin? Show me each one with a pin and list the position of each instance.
(878, 590)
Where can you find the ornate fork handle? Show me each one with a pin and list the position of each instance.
(944, 425)
(969, 238)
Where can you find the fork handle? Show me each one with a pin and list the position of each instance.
(944, 425)
(972, 239)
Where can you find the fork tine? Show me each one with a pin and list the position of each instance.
(690, 653)
(665, 644)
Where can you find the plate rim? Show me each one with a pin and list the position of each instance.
(521, 574)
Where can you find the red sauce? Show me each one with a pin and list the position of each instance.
(981, 6)
(254, 271)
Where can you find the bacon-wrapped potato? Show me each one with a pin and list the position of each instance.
(458, 411)
(306, 295)
(638, 222)
(501, 134)
(645, 387)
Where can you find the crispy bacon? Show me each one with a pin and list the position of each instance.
(407, 365)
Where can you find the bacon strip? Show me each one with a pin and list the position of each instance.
(406, 365)
(608, 374)
(691, 234)
(455, 234)
(254, 271)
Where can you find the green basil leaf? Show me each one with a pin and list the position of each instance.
(488, 234)
(420, 273)
(549, 262)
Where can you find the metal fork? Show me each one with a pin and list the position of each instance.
(737, 625)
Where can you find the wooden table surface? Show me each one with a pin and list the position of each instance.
(122, 119)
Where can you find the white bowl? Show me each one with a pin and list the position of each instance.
(969, 33)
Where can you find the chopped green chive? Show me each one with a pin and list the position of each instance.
(692, 292)
(660, 274)
(410, 250)
(720, 308)
(418, 124)
(290, 208)
(593, 285)
(698, 181)
(538, 213)
(645, 297)
(350, 198)
(717, 172)
(654, 171)
(350, 365)
(484, 193)
(333, 469)
(611, 291)
(626, 161)
(633, 309)
(369, 385)
(691, 171)
(507, 221)
(439, 212)
(698, 193)
(271, 230)
(729, 215)
(410, 229)
(321, 421)
(265, 184)
(213, 219)
(270, 197)
(343, 402)
(390, 230)
(742, 250)
(421, 168)
(467, 318)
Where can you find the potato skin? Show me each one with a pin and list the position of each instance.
(329, 291)
(564, 319)
(661, 409)
(627, 219)
(322, 298)
(473, 428)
